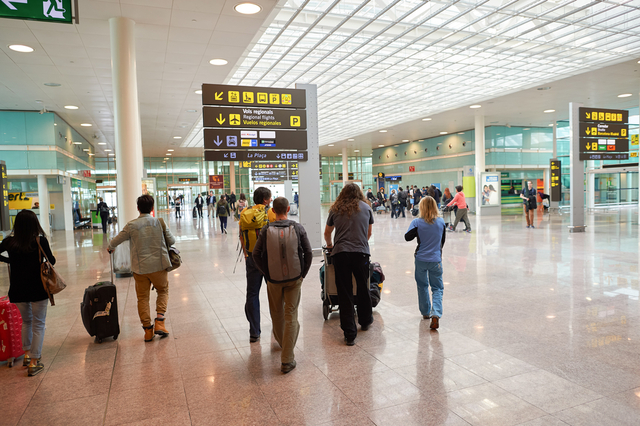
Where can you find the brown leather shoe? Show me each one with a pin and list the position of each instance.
(160, 329)
(148, 333)
(435, 323)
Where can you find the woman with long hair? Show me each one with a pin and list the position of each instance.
(25, 285)
(431, 234)
(352, 219)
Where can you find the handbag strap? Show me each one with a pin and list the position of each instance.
(164, 230)
(42, 253)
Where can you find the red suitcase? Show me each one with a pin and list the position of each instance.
(10, 331)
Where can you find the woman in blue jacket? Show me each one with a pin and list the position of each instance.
(429, 229)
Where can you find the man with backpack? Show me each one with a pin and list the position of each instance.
(252, 220)
(284, 274)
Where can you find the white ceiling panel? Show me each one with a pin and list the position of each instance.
(194, 19)
(146, 14)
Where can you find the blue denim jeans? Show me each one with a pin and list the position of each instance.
(252, 305)
(429, 274)
(34, 315)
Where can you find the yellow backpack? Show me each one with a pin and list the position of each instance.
(252, 220)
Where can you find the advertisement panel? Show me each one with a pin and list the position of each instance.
(216, 181)
(490, 189)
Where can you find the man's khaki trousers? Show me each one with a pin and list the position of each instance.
(143, 288)
(284, 299)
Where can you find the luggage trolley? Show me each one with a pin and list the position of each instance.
(329, 292)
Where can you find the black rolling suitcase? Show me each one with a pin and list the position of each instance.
(99, 309)
(195, 212)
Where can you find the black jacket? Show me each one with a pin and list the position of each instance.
(199, 201)
(25, 284)
(260, 255)
(232, 198)
(402, 197)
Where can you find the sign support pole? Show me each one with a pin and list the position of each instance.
(576, 171)
(345, 166)
(480, 162)
(308, 184)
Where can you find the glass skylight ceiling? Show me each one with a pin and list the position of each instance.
(379, 63)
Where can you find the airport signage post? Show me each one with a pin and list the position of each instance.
(556, 181)
(233, 139)
(248, 96)
(5, 220)
(255, 156)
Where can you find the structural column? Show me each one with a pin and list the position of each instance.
(308, 179)
(128, 138)
(43, 200)
(480, 161)
(576, 174)
(345, 166)
(232, 176)
(67, 207)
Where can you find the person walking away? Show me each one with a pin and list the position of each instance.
(178, 203)
(530, 203)
(211, 204)
(150, 239)
(103, 209)
(223, 212)
(352, 219)
(393, 198)
(436, 195)
(25, 284)
(462, 212)
(402, 202)
(284, 275)
(431, 234)
(242, 202)
(296, 200)
(232, 201)
(416, 196)
(446, 198)
(252, 220)
(199, 202)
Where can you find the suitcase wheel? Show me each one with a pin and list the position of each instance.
(98, 340)
(326, 310)
(115, 337)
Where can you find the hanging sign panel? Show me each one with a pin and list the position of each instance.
(600, 130)
(254, 156)
(601, 115)
(216, 181)
(603, 156)
(609, 145)
(556, 183)
(221, 94)
(37, 10)
(248, 139)
(254, 118)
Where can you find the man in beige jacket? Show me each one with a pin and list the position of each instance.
(150, 239)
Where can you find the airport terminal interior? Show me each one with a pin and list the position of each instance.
(107, 100)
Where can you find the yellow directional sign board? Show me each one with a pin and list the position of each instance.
(254, 118)
(556, 183)
(248, 96)
(601, 115)
(604, 130)
(608, 145)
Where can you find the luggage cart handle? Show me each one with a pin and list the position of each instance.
(111, 267)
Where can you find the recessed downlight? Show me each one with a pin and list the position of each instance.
(168, 154)
(107, 150)
(218, 62)
(526, 128)
(356, 150)
(475, 106)
(247, 8)
(21, 48)
(625, 95)
(351, 140)
(426, 119)
(171, 150)
(91, 154)
(383, 131)
(53, 84)
(77, 143)
(380, 146)
(102, 143)
(547, 111)
(331, 144)
(111, 155)
(198, 92)
(70, 107)
(444, 133)
(86, 124)
(86, 149)
(177, 137)
(405, 140)
(340, 154)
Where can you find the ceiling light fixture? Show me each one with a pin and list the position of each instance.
(383, 131)
(331, 144)
(86, 149)
(405, 140)
(86, 124)
(526, 129)
(426, 119)
(102, 143)
(340, 153)
(547, 111)
(20, 47)
(350, 140)
(198, 92)
(90, 154)
(443, 133)
(112, 155)
(380, 146)
(53, 84)
(70, 107)
(171, 150)
(218, 62)
(475, 106)
(77, 143)
(356, 150)
(247, 8)
(168, 154)
(177, 137)
(625, 95)
(107, 150)
(551, 125)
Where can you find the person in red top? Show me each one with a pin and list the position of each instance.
(462, 213)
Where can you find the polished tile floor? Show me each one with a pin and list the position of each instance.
(540, 327)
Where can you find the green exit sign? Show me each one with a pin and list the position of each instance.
(37, 10)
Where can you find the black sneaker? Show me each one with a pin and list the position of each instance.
(350, 342)
(366, 327)
(253, 339)
(285, 368)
